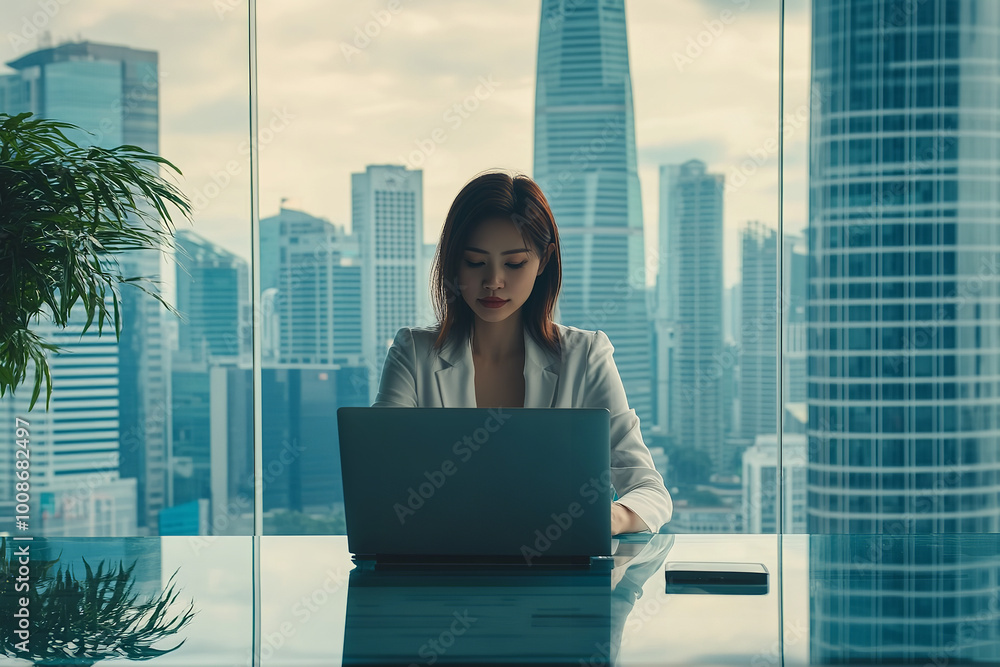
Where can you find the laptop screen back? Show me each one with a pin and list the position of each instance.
(529, 484)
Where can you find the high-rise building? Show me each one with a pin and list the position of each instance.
(762, 485)
(315, 268)
(763, 312)
(112, 92)
(76, 487)
(732, 303)
(795, 276)
(312, 281)
(213, 288)
(585, 163)
(759, 332)
(903, 336)
(689, 322)
(387, 217)
(904, 316)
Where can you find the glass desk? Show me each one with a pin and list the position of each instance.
(928, 600)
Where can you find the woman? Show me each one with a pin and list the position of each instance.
(494, 284)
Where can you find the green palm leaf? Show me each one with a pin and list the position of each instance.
(65, 211)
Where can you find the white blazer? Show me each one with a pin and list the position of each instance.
(586, 376)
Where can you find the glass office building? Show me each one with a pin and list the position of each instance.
(904, 342)
(690, 295)
(902, 329)
(585, 162)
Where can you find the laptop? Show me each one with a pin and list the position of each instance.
(517, 486)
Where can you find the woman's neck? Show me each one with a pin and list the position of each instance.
(497, 341)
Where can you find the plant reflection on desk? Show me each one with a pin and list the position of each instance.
(81, 622)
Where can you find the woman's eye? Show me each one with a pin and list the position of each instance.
(474, 265)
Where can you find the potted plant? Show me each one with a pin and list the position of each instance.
(65, 211)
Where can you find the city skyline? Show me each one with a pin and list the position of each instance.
(205, 123)
(325, 348)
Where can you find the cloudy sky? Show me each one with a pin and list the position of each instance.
(345, 84)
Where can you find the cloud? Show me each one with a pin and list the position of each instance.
(383, 101)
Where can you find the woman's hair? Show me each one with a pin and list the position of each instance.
(489, 196)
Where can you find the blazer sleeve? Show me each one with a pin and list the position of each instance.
(398, 386)
(640, 487)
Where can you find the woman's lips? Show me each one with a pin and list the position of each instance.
(493, 303)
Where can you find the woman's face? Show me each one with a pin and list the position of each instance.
(488, 268)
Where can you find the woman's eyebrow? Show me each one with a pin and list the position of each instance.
(505, 252)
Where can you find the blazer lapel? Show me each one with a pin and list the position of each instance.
(456, 375)
(541, 375)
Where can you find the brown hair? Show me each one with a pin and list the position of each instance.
(488, 196)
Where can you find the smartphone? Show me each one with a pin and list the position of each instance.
(716, 578)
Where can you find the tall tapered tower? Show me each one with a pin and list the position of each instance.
(585, 162)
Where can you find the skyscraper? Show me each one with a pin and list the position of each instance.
(904, 429)
(761, 484)
(903, 344)
(312, 281)
(690, 294)
(759, 333)
(76, 487)
(762, 314)
(213, 297)
(585, 163)
(387, 217)
(113, 93)
(793, 362)
(315, 267)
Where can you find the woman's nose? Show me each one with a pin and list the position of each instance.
(493, 280)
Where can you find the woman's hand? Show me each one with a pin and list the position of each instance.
(624, 520)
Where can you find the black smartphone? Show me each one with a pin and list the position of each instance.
(716, 578)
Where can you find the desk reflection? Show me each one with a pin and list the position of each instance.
(496, 615)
